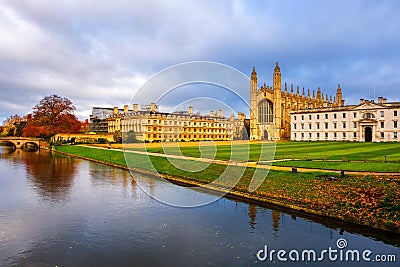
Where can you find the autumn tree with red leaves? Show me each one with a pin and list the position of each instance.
(52, 115)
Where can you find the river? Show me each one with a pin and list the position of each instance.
(62, 211)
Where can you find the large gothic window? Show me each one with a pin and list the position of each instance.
(265, 112)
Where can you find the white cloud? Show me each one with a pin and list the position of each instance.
(99, 53)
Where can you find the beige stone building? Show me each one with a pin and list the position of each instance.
(150, 125)
(270, 107)
(366, 122)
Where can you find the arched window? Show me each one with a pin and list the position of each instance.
(265, 112)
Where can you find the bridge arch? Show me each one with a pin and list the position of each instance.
(20, 142)
(30, 145)
(9, 142)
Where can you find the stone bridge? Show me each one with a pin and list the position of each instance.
(19, 142)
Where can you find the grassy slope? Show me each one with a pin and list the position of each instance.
(367, 200)
(347, 166)
(312, 151)
(302, 150)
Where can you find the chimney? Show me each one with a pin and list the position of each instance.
(241, 116)
(115, 110)
(126, 109)
(361, 100)
(153, 107)
(384, 101)
(380, 100)
(190, 110)
(135, 107)
(211, 113)
(220, 113)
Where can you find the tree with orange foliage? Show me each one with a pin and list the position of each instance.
(52, 115)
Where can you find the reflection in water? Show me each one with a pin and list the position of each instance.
(276, 216)
(125, 178)
(252, 215)
(51, 176)
(134, 185)
(147, 181)
(5, 150)
(104, 174)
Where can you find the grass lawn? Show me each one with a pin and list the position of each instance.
(369, 200)
(378, 157)
(298, 150)
(339, 151)
(347, 166)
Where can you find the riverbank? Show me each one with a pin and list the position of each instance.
(365, 200)
(349, 156)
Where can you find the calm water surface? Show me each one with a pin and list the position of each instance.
(60, 211)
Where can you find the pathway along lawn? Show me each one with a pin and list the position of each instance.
(366, 200)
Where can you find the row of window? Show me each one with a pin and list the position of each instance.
(222, 130)
(367, 115)
(335, 135)
(344, 125)
(177, 123)
(190, 123)
(158, 136)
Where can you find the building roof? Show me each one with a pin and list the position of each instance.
(367, 104)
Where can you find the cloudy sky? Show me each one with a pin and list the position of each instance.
(98, 53)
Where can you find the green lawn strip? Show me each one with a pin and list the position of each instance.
(311, 148)
(367, 200)
(303, 150)
(336, 150)
(223, 151)
(110, 156)
(372, 152)
(347, 166)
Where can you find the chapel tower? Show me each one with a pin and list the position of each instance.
(270, 107)
(253, 104)
(277, 101)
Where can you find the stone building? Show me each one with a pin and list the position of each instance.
(366, 122)
(150, 125)
(270, 107)
(98, 119)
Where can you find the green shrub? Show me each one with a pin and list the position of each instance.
(102, 140)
